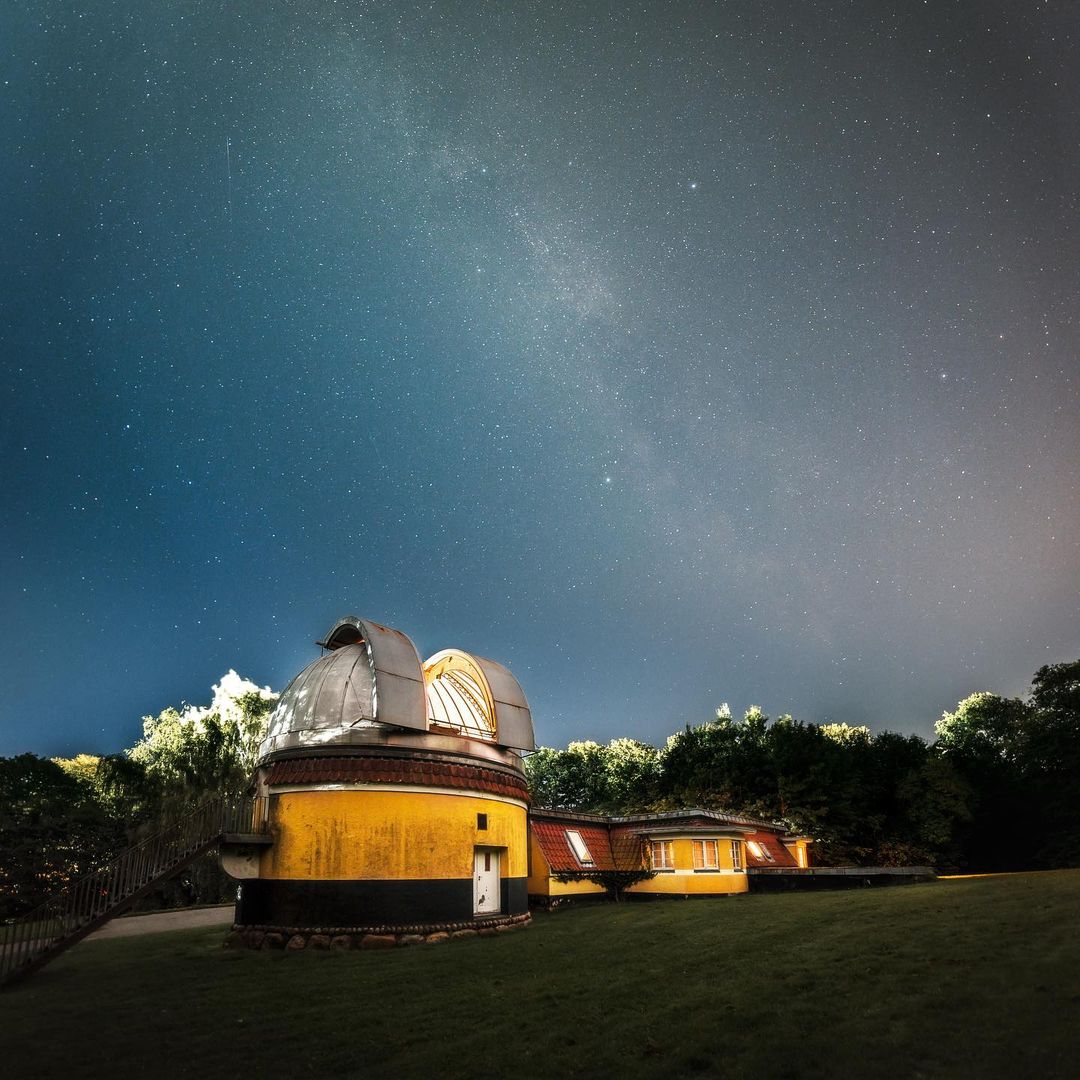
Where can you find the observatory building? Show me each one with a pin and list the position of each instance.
(396, 799)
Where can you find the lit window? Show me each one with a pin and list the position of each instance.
(663, 855)
(577, 846)
(759, 851)
(706, 856)
(736, 855)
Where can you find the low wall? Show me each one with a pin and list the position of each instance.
(368, 937)
(782, 879)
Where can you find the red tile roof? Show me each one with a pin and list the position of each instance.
(560, 856)
(609, 852)
(771, 843)
(616, 842)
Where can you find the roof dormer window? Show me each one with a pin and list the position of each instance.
(759, 851)
(579, 848)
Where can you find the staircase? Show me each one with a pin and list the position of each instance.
(32, 940)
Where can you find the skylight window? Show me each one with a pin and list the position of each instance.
(759, 851)
(579, 848)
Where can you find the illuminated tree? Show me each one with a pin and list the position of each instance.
(985, 726)
(588, 776)
(192, 752)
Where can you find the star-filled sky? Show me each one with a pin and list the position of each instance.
(671, 353)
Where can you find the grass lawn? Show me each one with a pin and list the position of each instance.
(973, 978)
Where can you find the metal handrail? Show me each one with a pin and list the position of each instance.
(70, 914)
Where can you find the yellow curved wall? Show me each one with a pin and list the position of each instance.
(699, 882)
(385, 834)
(574, 888)
(690, 884)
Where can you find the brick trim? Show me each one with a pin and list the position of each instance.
(396, 770)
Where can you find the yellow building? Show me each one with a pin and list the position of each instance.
(396, 799)
(396, 810)
(677, 854)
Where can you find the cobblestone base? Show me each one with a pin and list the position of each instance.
(368, 937)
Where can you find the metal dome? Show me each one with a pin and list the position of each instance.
(372, 682)
(479, 698)
(371, 677)
(324, 703)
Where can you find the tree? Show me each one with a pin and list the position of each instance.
(1055, 691)
(82, 767)
(985, 728)
(570, 779)
(52, 831)
(866, 799)
(632, 770)
(186, 756)
(984, 740)
(699, 766)
(1051, 764)
(61, 819)
(190, 753)
(589, 777)
(613, 882)
(844, 735)
(935, 803)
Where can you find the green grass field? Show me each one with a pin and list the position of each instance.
(966, 978)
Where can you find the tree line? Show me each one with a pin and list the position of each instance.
(997, 789)
(61, 818)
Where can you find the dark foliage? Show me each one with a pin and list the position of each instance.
(615, 882)
(53, 829)
(997, 790)
(61, 819)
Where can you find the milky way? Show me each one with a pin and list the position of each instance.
(672, 355)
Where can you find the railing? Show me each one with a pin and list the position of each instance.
(36, 937)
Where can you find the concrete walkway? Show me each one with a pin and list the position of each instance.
(159, 922)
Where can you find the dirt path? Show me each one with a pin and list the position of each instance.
(187, 919)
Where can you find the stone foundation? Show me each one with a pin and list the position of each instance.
(295, 938)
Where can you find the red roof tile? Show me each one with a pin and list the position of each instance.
(609, 852)
(770, 842)
(387, 770)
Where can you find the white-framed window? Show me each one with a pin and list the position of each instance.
(760, 851)
(579, 848)
(662, 853)
(736, 855)
(706, 855)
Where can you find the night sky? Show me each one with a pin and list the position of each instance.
(671, 354)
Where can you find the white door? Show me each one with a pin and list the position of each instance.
(486, 882)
